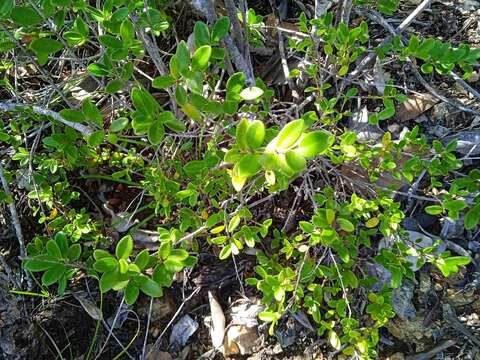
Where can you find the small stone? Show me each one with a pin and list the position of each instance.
(159, 355)
(397, 356)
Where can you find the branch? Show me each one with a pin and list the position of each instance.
(12, 107)
(15, 220)
(404, 24)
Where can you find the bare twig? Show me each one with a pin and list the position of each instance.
(15, 219)
(11, 107)
(157, 342)
(430, 354)
(381, 21)
(403, 25)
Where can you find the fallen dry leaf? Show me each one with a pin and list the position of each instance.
(240, 339)
(217, 329)
(415, 105)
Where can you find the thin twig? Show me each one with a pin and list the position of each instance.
(403, 25)
(157, 342)
(12, 107)
(15, 219)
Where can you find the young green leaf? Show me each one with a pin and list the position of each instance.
(295, 160)
(314, 143)
(241, 133)
(247, 166)
(124, 247)
(289, 134)
(255, 134)
(251, 93)
(201, 57)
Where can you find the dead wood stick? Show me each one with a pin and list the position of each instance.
(11, 107)
(426, 355)
(15, 219)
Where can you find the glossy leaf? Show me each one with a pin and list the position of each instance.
(255, 134)
(314, 143)
(124, 247)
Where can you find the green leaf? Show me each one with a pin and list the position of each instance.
(123, 266)
(289, 134)
(345, 225)
(241, 133)
(295, 160)
(5, 7)
(38, 264)
(156, 133)
(46, 46)
(91, 112)
(182, 56)
(53, 274)
(247, 166)
(53, 249)
(151, 288)
(350, 279)
(114, 86)
(110, 41)
(472, 218)
(165, 250)
(334, 340)
(170, 121)
(118, 124)
(96, 138)
(268, 316)
(255, 134)
(434, 209)
(251, 93)
(100, 254)
(97, 69)
(142, 259)
(201, 34)
(106, 264)
(201, 57)
(450, 265)
(234, 85)
(180, 95)
(127, 31)
(173, 265)
(25, 16)
(220, 29)
(109, 280)
(163, 82)
(124, 247)
(314, 143)
(74, 252)
(225, 252)
(72, 115)
(131, 293)
(233, 223)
